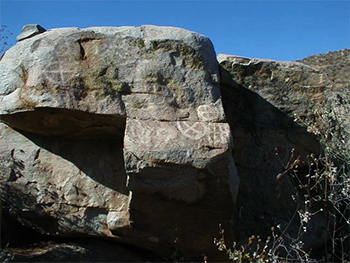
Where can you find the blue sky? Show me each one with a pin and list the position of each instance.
(281, 30)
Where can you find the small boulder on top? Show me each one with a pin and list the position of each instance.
(30, 31)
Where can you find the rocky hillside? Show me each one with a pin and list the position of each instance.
(140, 142)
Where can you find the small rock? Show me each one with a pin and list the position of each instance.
(29, 31)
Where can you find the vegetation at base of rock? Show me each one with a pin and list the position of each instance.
(321, 180)
(325, 190)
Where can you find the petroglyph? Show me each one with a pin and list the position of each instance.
(215, 134)
(62, 68)
(193, 130)
(208, 113)
(59, 74)
(157, 135)
(151, 134)
(219, 134)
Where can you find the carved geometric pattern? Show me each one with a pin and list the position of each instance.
(208, 113)
(193, 130)
(219, 134)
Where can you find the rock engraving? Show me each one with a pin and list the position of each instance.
(62, 68)
(219, 134)
(192, 130)
(59, 74)
(151, 134)
(158, 135)
(208, 113)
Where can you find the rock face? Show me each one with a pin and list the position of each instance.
(279, 107)
(146, 72)
(289, 86)
(316, 95)
(262, 99)
(117, 133)
(333, 122)
(335, 64)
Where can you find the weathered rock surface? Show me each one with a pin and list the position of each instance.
(30, 31)
(262, 98)
(275, 104)
(316, 95)
(147, 72)
(335, 64)
(332, 121)
(292, 87)
(117, 133)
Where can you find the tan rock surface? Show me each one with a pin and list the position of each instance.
(117, 133)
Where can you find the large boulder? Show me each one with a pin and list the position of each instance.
(269, 105)
(148, 72)
(117, 133)
(313, 91)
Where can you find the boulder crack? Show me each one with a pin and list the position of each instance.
(82, 50)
